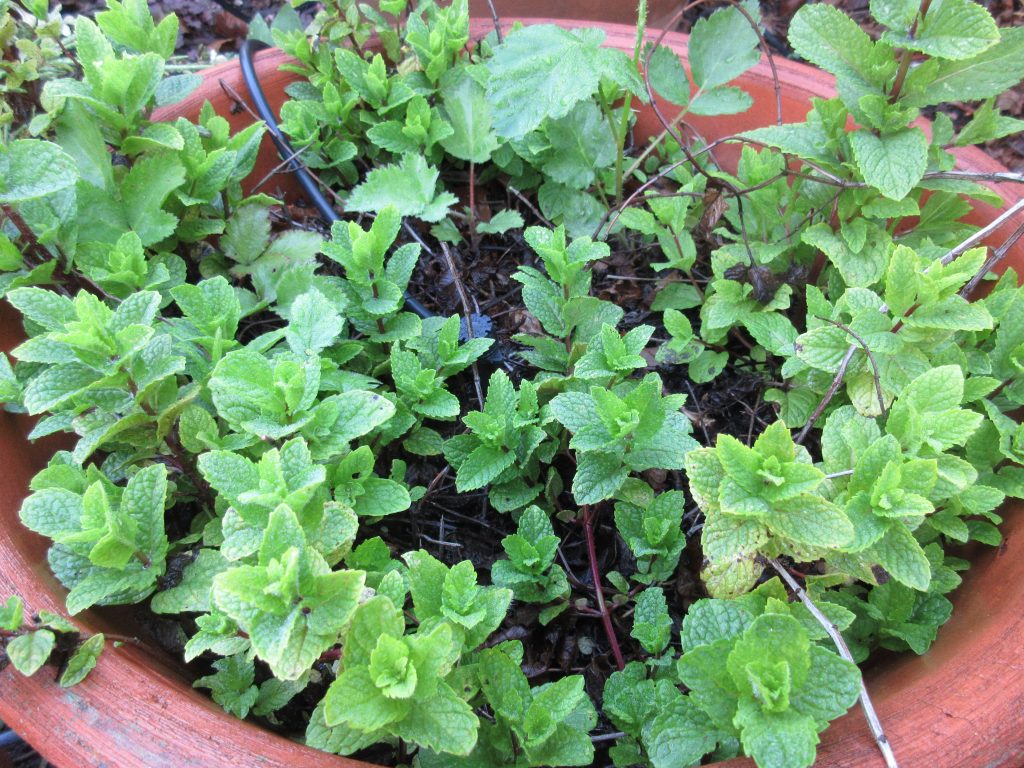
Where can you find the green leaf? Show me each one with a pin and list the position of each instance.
(313, 323)
(811, 520)
(679, 734)
(30, 170)
(443, 722)
(832, 687)
(340, 739)
(231, 685)
(721, 101)
(541, 71)
(826, 36)
(82, 661)
(778, 740)
(598, 477)
(481, 467)
(466, 107)
(56, 385)
(357, 413)
(805, 140)
(893, 164)
(652, 626)
(722, 47)
(247, 233)
(353, 698)
(11, 614)
(501, 222)
(143, 192)
(988, 74)
(175, 88)
(902, 557)
(580, 146)
(708, 621)
(28, 652)
(987, 125)
(898, 15)
(952, 29)
(732, 546)
(410, 187)
(773, 331)
(668, 78)
(192, 593)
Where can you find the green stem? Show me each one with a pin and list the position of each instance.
(655, 142)
(901, 74)
(627, 107)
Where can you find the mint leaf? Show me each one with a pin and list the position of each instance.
(826, 36)
(952, 29)
(652, 626)
(82, 661)
(988, 74)
(33, 169)
(899, 553)
(28, 652)
(314, 323)
(894, 163)
(598, 477)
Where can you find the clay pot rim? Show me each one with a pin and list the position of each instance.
(105, 719)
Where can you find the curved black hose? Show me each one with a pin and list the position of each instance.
(284, 149)
(9, 739)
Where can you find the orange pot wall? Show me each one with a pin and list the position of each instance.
(962, 704)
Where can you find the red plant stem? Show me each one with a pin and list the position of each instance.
(595, 572)
(331, 654)
(472, 203)
(37, 249)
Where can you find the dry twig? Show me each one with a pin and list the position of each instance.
(833, 632)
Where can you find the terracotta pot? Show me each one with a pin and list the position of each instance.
(960, 704)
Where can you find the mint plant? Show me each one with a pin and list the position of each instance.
(27, 645)
(615, 435)
(762, 680)
(530, 570)
(652, 527)
(760, 502)
(395, 684)
(410, 533)
(506, 445)
(109, 541)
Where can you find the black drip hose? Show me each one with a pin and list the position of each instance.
(284, 149)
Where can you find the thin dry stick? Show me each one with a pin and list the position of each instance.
(992, 261)
(832, 389)
(984, 232)
(497, 22)
(871, 359)
(865, 701)
(282, 166)
(1010, 177)
(977, 237)
(533, 209)
(464, 299)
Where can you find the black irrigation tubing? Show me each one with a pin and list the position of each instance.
(284, 149)
(9, 739)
